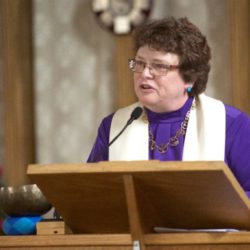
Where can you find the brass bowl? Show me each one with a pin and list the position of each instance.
(26, 200)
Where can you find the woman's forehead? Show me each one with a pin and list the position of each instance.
(151, 54)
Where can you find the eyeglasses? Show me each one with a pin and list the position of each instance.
(157, 69)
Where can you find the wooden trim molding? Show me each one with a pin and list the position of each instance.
(16, 20)
(124, 87)
(240, 48)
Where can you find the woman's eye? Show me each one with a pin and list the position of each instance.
(161, 66)
(140, 63)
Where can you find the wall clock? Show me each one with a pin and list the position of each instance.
(121, 16)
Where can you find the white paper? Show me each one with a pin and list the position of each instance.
(182, 230)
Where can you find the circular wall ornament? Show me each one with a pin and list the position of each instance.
(121, 16)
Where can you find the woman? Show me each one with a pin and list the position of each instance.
(179, 122)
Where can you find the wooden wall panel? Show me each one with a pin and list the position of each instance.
(240, 47)
(125, 89)
(16, 20)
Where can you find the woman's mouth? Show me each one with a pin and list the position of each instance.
(145, 86)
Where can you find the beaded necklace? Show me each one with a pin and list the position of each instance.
(174, 140)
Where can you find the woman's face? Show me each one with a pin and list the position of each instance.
(159, 93)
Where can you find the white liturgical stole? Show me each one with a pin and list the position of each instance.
(204, 139)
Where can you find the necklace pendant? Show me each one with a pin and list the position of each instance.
(163, 148)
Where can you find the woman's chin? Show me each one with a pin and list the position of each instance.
(147, 102)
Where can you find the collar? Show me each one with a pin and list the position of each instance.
(172, 116)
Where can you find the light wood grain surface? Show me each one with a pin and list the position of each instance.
(92, 198)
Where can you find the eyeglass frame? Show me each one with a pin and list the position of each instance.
(151, 67)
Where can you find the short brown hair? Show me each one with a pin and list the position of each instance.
(183, 38)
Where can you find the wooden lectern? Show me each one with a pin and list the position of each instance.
(118, 205)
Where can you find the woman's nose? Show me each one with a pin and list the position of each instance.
(147, 71)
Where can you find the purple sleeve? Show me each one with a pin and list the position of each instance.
(100, 150)
(237, 154)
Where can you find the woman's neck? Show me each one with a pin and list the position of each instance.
(168, 106)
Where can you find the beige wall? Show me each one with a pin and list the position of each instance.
(73, 78)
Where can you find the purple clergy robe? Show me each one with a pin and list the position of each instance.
(165, 125)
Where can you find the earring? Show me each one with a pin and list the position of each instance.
(189, 89)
